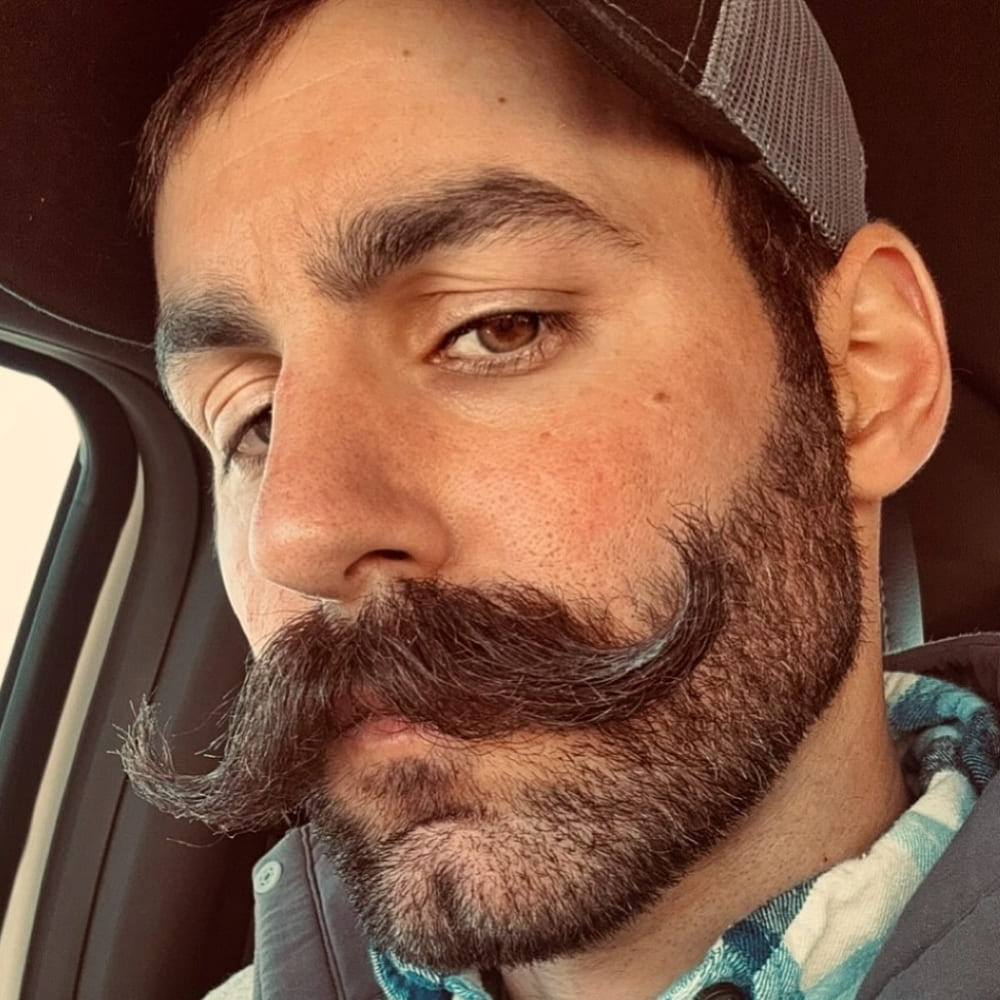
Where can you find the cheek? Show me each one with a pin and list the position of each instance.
(582, 504)
(232, 549)
(575, 505)
(261, 607)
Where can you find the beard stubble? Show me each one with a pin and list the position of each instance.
(620, 761)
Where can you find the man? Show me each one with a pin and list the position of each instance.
(552, 410)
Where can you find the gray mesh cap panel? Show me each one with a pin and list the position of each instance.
(770, 72)
(753, 78)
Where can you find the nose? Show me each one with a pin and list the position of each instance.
(346, 502)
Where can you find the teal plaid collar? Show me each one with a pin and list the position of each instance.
(818, 940)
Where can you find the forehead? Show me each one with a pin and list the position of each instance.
(379, 105)
(391, 89)
(465, 45)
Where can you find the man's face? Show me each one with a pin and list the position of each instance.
(416, 431)
(461, 314)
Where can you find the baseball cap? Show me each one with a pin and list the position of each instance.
(752, 78)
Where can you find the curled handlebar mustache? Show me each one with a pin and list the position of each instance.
(473, 663)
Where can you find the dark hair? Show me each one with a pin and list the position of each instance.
(788, 258)
(242, 42)
(785, 252)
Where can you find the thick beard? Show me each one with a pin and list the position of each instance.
(608, 816)
(650, 751)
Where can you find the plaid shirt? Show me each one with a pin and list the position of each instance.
(818, 940)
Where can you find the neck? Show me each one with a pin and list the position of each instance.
(841, 791)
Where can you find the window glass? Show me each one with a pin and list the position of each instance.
(39, 438)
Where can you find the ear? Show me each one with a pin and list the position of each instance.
(881, 324)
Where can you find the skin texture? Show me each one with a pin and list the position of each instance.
(394, 454)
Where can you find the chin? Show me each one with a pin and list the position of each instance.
(450, 877)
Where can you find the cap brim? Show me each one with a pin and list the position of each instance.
(661, 58)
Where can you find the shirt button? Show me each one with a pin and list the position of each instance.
(267, 876)
(722, 991)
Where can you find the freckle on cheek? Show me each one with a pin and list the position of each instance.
(659, 397)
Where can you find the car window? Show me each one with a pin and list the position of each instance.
(39, 438)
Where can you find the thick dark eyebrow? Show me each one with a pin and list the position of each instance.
(218, 317)
(351, 258)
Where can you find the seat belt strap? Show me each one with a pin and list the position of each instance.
(308, 942)
(902, 614)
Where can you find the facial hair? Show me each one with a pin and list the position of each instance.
(625, 759)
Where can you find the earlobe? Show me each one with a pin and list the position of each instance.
(883, 330)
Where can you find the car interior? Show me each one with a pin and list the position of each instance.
(103, 896)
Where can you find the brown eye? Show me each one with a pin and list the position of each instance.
(260, 429)
(505, 343)
(508, 332)
(249, 443)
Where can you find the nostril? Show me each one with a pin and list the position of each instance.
(374, 570)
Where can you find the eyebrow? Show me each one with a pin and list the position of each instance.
(350, 258)
(189, 324)
(354, 256)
